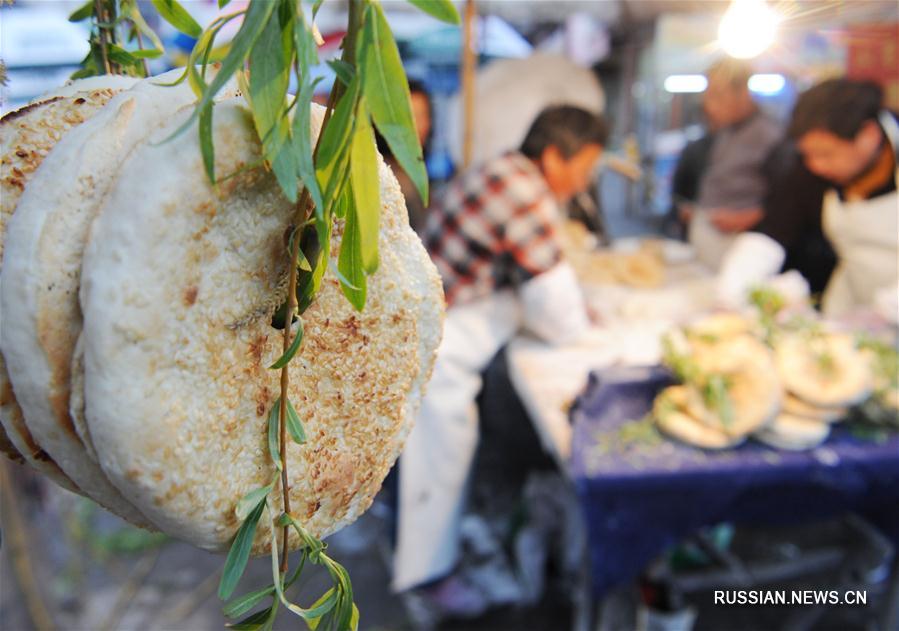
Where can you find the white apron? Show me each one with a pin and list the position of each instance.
(865, 236)
(437, 458)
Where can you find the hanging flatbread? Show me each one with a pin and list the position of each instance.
(178, 281)
(671, 416)
(41, 276)
(26, 137)
(824, 370)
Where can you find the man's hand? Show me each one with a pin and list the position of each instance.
(685, 212)
(732, 221)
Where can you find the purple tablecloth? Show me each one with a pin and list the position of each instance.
(642, 494)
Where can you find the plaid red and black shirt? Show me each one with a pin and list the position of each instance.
(495, 228)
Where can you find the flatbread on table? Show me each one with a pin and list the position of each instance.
(794, 433)
(26, 137)
(47, 236)
(671, 416)
(755, 389)
(843, 379)
(177, 286)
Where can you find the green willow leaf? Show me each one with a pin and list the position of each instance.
(274, 434)
(254, 621)
(333, 147)
(292, 350)
(254, 22)
(441, 9)
(223, 3)
(83, 12)
(133, 13)
(315, 7)
(344, 71)
(349, 261)
(302, 139)
(387, 90)
(320, 607)
(366, 186)
(242, 604)
(270, 61)
(239, 553)
(177, 16)
(146, 53)
(251, 500)
(294, 425)
(206, 147)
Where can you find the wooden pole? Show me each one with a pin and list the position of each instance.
(469, 61)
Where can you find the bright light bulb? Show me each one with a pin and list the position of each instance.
(747, 28)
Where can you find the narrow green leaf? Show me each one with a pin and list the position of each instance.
(320, 607)
(84, 11)
(134, 14)
(387, 90)
(354, 618)
(146, 53)
(251, 500)
(333, 147)
(292, 350)
(254, 621)
(121, 56)
(206, 146)
(349, 261)
(274, 435)
(441, 9)
(366, 186)
(294, 425)
(239, 553)
(344, 71)
(254, 22)
(242, 604)
(177, 16)
(269, 80)
(316, 7)
(307, 49)
(269, 623)
(319, 247)
(223, 3)
(302, 139)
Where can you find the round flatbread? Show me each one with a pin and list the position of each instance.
(669, 412)
(177, 289)
(797, 407)
(26, 137)
(753, 386)
(47, 236)
(794, 433)
(824, 370)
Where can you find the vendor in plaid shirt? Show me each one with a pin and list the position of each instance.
(496, 226)
(494, 241)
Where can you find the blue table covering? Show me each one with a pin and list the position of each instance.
(642, 493)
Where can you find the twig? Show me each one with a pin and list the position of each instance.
(99, 14)
(140, 46)
(130, 588)
(17, 542)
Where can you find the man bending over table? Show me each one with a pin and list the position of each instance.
(494, 241)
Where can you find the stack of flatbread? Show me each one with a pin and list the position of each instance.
(137, 302)
(786, 396)
(748, 393)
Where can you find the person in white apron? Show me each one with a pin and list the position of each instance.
(845, 137)
(493, 240)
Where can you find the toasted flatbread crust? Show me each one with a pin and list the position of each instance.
(845, 381)
(41, 278)
(671, 416)
(177, 378)
(26, 137)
